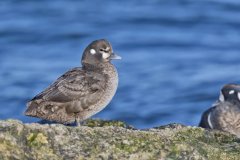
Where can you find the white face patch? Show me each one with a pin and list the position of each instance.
(221, 97)
(238, 96)
(93, 51)
(231, 92)
(107, 49)
(105, 55)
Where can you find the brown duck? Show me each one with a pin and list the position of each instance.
(82, 91)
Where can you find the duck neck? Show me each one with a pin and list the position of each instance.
(101, 67)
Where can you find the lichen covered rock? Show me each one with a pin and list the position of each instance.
(113, 140)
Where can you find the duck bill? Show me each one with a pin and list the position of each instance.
(115, 56)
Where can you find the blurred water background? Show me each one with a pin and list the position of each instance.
(177, 54)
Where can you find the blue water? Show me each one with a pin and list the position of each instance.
(177, 54)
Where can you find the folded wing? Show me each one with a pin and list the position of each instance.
(76, 88)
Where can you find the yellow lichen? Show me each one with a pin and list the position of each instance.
(37, 139)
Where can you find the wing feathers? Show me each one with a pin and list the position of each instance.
(74, 91)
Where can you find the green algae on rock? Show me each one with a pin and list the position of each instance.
(104, 123)
(112, 140)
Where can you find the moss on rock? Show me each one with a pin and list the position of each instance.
(104, 123)
(113, 140)
(36, 139)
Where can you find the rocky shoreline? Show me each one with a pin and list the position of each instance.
(99, 139)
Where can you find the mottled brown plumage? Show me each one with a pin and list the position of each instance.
(80, 92)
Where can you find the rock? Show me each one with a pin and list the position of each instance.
(113, 140)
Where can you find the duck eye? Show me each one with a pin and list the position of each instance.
(102, 50)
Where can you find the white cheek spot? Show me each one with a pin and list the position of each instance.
(93, 51)
(231, 92)
(105, 55)
(221, 97)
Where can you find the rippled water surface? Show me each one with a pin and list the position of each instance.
(177, 54)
